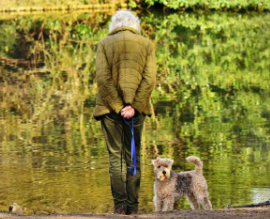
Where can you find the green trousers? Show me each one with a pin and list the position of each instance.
(125, 188)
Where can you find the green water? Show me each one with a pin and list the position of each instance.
(212, 100)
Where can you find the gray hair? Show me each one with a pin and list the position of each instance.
(125, 18)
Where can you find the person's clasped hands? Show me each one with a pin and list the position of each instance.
(127, 112)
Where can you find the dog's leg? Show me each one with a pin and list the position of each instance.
(192, 201)
(206, 203)
(168, 204)
(157, 203)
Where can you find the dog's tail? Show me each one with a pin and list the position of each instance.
(198, 163)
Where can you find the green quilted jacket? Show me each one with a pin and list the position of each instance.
(125, 72)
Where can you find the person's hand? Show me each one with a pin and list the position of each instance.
(127, 112)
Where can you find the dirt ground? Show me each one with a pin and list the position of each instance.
(258, 213)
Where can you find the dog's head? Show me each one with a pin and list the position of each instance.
(162, 168)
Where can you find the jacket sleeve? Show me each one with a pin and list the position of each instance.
(106, 87)
(148, 81)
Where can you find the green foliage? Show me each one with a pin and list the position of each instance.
(214, 4)
(210, 62)
(7, 38)
(232, 5)
(132, 4)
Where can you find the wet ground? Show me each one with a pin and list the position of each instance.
(258, 213)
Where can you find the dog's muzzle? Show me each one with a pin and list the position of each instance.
(163, 174)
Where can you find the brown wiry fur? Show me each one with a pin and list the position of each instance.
(170, 186)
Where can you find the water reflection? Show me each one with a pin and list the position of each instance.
(260, 195)
(212, 100)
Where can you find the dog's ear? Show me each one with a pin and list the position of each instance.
(170, 162)
(154, 162)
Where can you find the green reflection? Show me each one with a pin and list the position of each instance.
(211, 100)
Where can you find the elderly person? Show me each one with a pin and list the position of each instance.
(126, 76)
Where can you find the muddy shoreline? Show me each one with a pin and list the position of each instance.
(258, 213)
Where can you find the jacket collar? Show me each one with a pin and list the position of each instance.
(119, 29)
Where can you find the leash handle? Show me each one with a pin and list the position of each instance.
(133, 164)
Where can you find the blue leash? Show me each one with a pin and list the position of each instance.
(133, 165)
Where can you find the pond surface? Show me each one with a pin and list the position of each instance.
(212, 100)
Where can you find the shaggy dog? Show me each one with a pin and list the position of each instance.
(170, 186)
